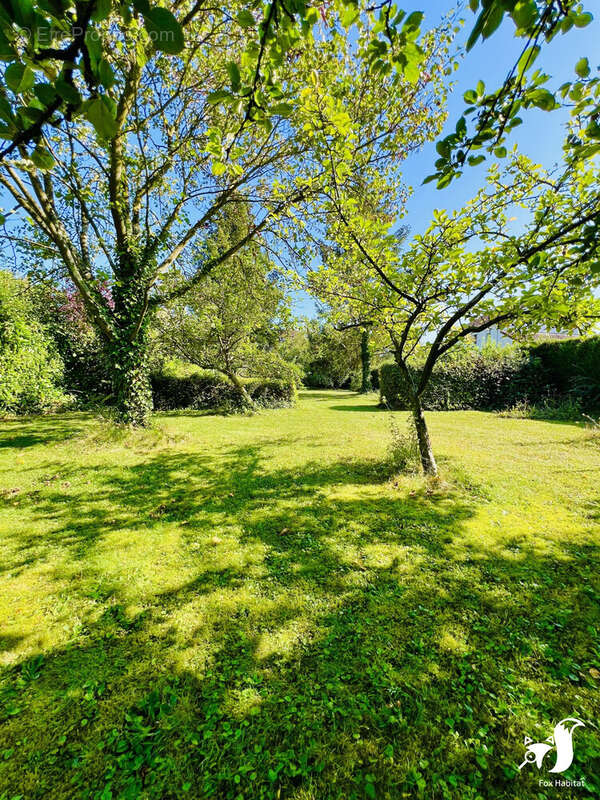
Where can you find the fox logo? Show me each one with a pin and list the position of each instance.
(561, 741)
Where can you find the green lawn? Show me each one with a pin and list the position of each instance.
(254, 607)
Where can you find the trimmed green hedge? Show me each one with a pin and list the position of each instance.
(476, 380)
(556, 371)
(571, 367)
(213, 392)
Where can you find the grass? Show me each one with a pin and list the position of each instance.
(253, 607)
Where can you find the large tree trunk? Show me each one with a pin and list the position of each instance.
(425, 451)
(131, 381)
(365, 357)
(128, 349)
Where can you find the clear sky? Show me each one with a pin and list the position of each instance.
(540, 136)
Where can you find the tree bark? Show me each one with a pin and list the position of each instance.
(242, 390)
(425, 451)
(365, 357)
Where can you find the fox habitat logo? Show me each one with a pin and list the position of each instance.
(561, 743)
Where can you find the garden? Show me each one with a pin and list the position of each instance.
(299, 401)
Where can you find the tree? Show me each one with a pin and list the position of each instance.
(233, 320)
(59, 55)
(117, 203)
(471, 270)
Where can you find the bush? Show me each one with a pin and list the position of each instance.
(375, 379)
(30, 370)
(483, 379)
(571, 367)
(211, 391)
(560, 378)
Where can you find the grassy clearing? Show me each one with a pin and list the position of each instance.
(253, 607)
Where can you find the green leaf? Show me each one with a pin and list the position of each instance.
(19, 78)
(500, 152)
(582, 68)
(282, 109)
(524, 14)
(542, 98)
(68, 92)
(42, 158)
(45, 93)
(527, 59)
(470, 97)
(473, 161)
(581, 20)
(106, 74)
(7, 52)
(234, 75)
(99, 114)
(495, 15)
(102, 10)
(164, 30)
(217, 97)
(246, 19)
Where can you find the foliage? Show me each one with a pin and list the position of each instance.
(59, 67)
(206, 391)
(49, 83)
(332, 359)
(255, 609)
(496, 113)
(553, 379)
(403, 450)
(30, 369)
(168, 157)
(470, 269)
(565, 409)
(234, 320)
(61, 312)
(572, 367)
(492, 378)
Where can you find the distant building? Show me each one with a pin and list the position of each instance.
(493, 335)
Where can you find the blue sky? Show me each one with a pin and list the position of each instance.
(540, 136)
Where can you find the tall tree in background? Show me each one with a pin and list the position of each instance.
(232, 322)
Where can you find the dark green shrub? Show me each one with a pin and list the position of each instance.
(375, 379)
(488, 379)
(571, 367)
(206, 391)
(564, 373)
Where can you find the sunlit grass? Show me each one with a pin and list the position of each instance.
(255, 607)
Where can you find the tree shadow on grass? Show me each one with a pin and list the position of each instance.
(346, 643)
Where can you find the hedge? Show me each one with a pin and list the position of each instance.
(476, 380)
(571, 367)
(213, 392)
(556, 371)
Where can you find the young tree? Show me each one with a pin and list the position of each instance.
(231, 322)
(470, 270)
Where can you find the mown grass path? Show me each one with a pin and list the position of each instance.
(254, 607)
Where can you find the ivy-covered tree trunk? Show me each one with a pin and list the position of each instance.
(425, 450)
(128, 356)
(365, 357)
